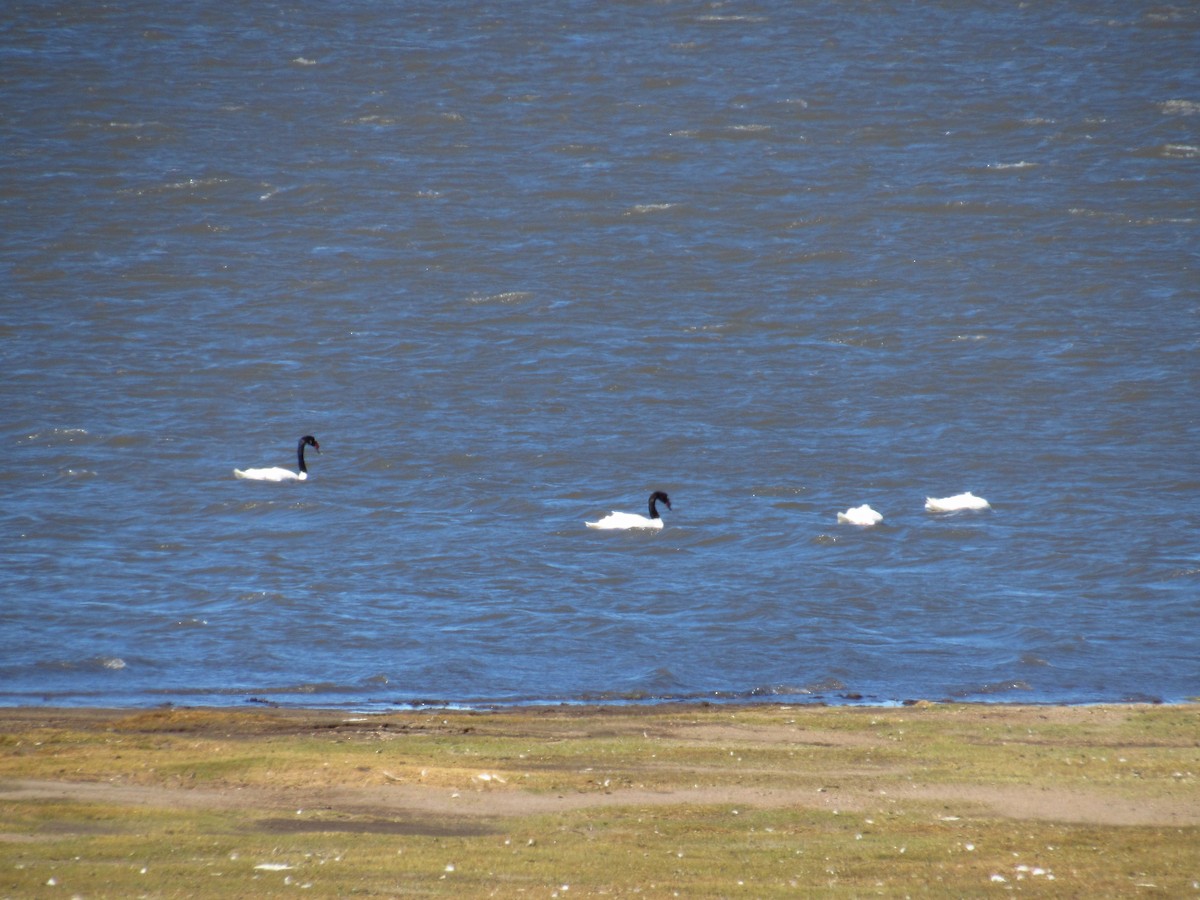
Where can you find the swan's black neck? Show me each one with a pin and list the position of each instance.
(658, 495)
(309, 440)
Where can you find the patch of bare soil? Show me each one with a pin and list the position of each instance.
(420, 809)
(1058, 805)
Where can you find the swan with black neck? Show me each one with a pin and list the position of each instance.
(621, 520)
(278, 473)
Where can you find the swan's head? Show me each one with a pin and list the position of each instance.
(654, 498)
(310, 441)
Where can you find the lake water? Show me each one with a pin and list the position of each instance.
(518, 265)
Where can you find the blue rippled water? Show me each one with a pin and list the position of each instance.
(517, 267)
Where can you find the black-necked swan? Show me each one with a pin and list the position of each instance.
(633, 520)
(278, 473)
(956, 503)
(862, 516)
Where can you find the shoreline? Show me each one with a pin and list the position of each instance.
(693, 798)
(850, 701)
(648, 706)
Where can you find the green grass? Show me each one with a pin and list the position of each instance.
(893, 837)
(697, 851)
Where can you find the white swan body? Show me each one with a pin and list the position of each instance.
(623, 520)
(862, 516)
(278, 473)
(619, 520)
(956, 503)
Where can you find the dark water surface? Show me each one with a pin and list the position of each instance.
(518, 265)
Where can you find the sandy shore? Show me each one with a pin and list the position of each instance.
(1098, 800)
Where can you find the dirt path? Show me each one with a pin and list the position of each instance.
(421, 805)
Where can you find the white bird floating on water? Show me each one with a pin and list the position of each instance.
(278, 473)
(860, 515)
(619, 520)
(956, 503)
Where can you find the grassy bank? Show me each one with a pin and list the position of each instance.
(700, 801)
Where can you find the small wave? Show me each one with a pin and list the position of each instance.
(1000, 687)
(574, 149)
(1122, 218)
(111, 662)
(190, 183)
(261, 597)
(1190, 572)
(716, 19)
(382, 121)
(1180, 107)
(503, 297)
(303, 61)
(1180, 151)
(315, 687)
(1023, 164)
(643, 208)
(817, 687)
(54, 434)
